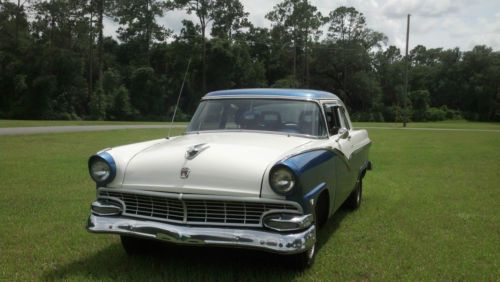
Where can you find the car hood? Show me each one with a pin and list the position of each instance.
(231, 164)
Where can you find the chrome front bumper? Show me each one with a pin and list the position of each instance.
(283, 243)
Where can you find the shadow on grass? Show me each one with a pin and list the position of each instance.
(173, 262)
(330, 227)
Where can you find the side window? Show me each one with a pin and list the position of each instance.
(332, 118)
(345, 121)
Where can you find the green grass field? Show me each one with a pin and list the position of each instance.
(430, 212)
(449, 124)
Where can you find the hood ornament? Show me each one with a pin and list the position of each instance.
(185, 172)
(193, 151)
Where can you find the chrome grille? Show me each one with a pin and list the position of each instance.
(195, 211)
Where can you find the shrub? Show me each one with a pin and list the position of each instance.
(420, 104)
(452, 114)
(435, 114)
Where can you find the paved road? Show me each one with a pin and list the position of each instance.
(76, 128)
(80, 128)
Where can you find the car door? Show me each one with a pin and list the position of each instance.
(346, 145)
(338, 122)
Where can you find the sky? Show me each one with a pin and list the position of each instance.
(434, 23)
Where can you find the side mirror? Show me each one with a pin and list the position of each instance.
(343, 134)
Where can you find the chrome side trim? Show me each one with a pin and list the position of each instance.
(283, 243)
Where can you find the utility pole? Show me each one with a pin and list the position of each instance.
(405, 98)
(91, 45)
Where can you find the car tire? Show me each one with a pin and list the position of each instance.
(354, 200)
(136, 246)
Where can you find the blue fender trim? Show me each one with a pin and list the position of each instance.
(303, 162)
(300, 164)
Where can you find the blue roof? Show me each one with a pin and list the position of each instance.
(295, 93)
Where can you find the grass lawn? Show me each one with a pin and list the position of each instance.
(30, 123)
(430, 212)
(451, 124)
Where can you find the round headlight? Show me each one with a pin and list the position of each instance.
(282, 180)
(100, 170)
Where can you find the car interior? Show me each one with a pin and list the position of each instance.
(272, 121)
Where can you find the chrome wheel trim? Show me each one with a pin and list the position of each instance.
(358, 194)
(310, 253)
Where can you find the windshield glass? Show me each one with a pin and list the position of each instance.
(290, 116)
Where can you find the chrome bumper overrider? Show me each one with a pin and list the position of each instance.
(284, 243)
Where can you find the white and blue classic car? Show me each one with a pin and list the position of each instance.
(256, 168)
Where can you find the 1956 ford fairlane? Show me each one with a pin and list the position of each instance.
(256, 168)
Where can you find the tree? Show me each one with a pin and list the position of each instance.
(346, 56)
(147, 93)
(420, 104)
(481, 71)
(229, 17)
(14, 40)
(98, 104)
(48, 69)
(139, 26)
(203, 9)
(299, 20)
(346, 24)
(120, 108)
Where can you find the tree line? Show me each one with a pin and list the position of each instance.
(55, 62)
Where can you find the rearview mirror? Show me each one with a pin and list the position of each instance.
(343, 133)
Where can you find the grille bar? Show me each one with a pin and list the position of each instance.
(195, 211)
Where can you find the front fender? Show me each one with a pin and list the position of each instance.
(314, 171)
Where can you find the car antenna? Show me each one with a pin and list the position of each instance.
(178, 98)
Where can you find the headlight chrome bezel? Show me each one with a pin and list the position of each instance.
(105, 159)
(284, 170)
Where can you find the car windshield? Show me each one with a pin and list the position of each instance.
(289, 116)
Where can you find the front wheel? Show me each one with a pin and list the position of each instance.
(354, 200)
